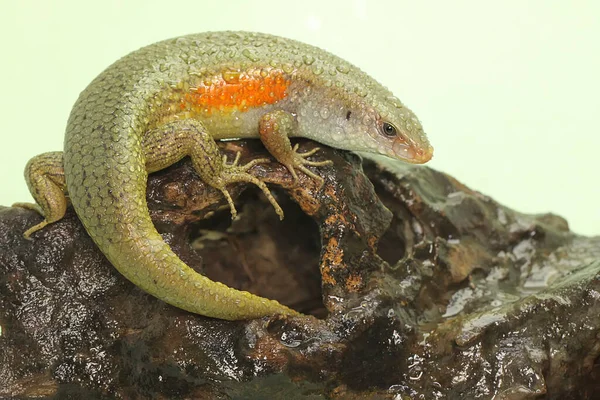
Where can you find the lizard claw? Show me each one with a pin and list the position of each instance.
(299, 161)
(235, 173)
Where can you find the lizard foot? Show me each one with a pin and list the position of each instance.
(239, 173)
(299, 160)
(32, 206)
(275, 129)
(45, 177)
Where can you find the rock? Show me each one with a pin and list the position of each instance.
(419, 287)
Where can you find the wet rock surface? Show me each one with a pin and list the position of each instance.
(415, 286)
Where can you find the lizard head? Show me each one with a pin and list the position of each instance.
(354, 112)
(395, 131)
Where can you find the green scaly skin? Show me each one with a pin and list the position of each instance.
(145, 112)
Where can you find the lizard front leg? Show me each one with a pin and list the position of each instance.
(171, 142)
(45, 177)
(275, 129)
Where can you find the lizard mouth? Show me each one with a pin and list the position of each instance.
(412, 153)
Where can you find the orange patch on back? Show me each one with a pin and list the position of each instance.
(238, 90)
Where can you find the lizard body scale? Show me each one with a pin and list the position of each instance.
(172, 99)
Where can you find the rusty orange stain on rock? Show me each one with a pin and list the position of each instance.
(354, 283)
(372, 242)
(336, 219)
(309, 204)
(332, 257)
(331, 193)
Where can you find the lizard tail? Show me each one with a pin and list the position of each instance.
(147, 261)
(110, 200)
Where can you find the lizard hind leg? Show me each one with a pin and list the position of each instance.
(45, 177)
(172, 141)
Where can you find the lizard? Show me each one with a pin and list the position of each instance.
(173, 99)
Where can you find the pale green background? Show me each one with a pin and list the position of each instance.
(508, 91)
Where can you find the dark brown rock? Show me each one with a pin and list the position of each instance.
(441, 293)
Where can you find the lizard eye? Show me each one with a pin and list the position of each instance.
(388, 129)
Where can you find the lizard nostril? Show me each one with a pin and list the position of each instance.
(424, 155)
